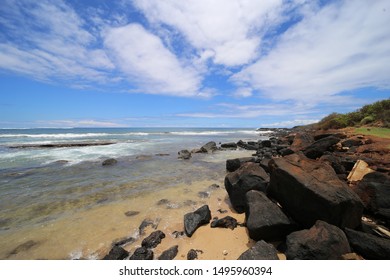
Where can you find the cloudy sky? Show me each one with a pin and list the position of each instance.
(214, 63)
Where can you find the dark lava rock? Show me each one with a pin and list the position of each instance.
(153, 239)
(250, 176)
(286, 152)
(248, 146)
(226, 222)
(131, 213)
(335, 162)
(266, 143)
(318, 148)
(142, 254)
(310, 190)
(193, 254)
(302, 141)
(260, 251)
(169, 254)
(264, 219)
(351, 142)
(123, 241)
(193, 220)
(233, 164)
(184, 154)
(325, 135)
(321, 242)
(231, 145)
(374, 191)
(209, 147)
(369, 246)
(109, 162)
(116, 253)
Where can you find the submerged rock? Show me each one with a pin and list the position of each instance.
(131, 213)
(184, 154)
(109, 162)
(260, 251)
(209, 147)
(23, 247)
(193, 220)
(321, 242)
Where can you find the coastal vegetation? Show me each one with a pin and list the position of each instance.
(376, 115)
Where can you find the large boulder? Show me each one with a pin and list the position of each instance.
(250, 176)
(310, 190)
(209, 147)
(319, 147)
(193, 220)
(374, 191)
(264, 219)
(260, 251)
(302, 141)
(233, 164)
(321, 242)
(369, 246)
(153, 239)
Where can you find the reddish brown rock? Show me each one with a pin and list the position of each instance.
(310, 190)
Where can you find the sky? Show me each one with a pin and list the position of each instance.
(194, 63)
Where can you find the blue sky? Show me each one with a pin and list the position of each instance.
(193, 63)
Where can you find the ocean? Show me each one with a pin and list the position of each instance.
(61, 203)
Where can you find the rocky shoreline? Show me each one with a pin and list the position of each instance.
(304, 194)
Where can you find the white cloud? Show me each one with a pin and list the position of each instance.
(229, 29)
(341, 47)
(145, 60)
(291, 123)
(243, 92)
(47, 40)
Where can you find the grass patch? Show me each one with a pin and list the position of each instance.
(374, 131)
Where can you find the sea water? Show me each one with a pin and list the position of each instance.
(59, 203)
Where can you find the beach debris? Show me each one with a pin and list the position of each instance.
(162, 155)
(169, 254)
(226, 222)
(193, 254)
(296, 178)
(193, 220)
(260, 251)
(116, 253)
(131, 213)
(153, 239)
(222, 211)
(369, 246)
(264, 219)
(142, 253)
(250, 176)
(184, 154)
(359, 170)
(225, 252)
(321, 242)
(109, 162)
